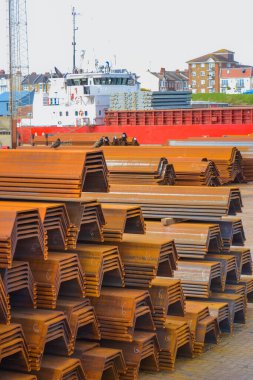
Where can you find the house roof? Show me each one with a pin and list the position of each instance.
(238, 72)
(35, 79)
(218, 56)
(172, 75)
(19, 95)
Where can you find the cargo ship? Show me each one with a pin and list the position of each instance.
(81, 103)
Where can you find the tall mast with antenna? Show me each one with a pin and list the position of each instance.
(75, 28)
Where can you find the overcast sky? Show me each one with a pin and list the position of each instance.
(141, 34)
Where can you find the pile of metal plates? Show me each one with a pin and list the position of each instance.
(52, 172)
(148, 100)
(159, 202)
(61, 274)
(122, 219)
(13, 348)
(60, 368)
(146, 256)
(226, 161)
(141, 353)
(5, 315)
(140, 171)
(121, 311)
(20, 285)
(100, 362)
(198, 278)
(49, 331)
(168, 299)
(21, 235)
(174, 339)
(101, 264)
(81, 317)
(193, 240)
(243, 143)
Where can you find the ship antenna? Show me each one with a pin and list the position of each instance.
(75, 28)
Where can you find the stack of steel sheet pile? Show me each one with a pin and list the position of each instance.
(242, 142)
(193, 166)
(93, 286)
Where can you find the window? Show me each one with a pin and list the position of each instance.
(223, 90)
(202, 65)
(60, 113)
(203, 81)
(203, 90)
(211, 90)
(100, 112)
(193, 83)
(194, 73)
(193, 65)
(25, 87)
(67, 113)
(228, 64)
(211, 66)
(240, 83)
(224, 82)
(86, 113)
(202, 73)
(76, 113)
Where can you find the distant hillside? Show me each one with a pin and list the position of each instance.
(240, 99)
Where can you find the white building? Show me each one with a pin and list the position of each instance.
(4, 82)
(236, 80)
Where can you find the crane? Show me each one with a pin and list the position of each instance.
(18, 57)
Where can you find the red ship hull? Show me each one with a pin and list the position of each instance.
(146, 134)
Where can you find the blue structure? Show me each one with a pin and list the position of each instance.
(23, 98)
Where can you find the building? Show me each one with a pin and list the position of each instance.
(236, 80)
(24, 101)
(4, 82)
(205, 71)
(165, 80)
(36, 82)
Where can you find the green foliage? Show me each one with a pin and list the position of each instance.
(238, 99)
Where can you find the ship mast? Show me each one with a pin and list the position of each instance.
(75, 28)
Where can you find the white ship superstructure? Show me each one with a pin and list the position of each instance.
(80, 99)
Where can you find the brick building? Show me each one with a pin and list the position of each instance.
(205, 71)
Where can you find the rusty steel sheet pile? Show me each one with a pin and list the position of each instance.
(94, 286)
(174, 340)
(61, 234)
(146, 256)
(21, 235)
(89, 220)
(192, 240)
(122, 219)
(102, 265)
(243, 143)
(157, 202)
(227, 160)
(121, 311)
(141, 353)
(81, 317)
(9, 375)
(14, 353)
(100, 362)
(50, 333)
(20, 285)
(51, 173)
(61, 274)
(142, 171)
